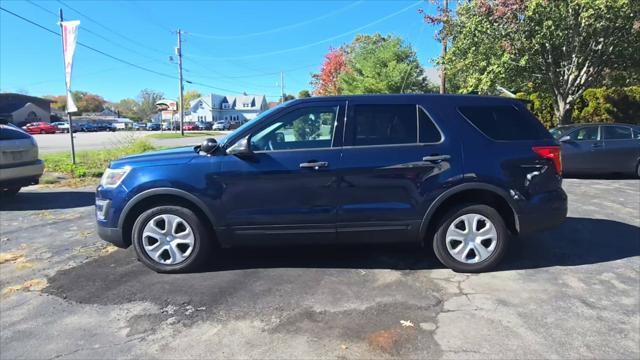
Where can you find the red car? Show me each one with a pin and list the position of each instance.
(190, 126)
(40, 128)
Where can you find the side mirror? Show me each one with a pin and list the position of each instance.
(241, 148)
(208, 145)
(565, 138)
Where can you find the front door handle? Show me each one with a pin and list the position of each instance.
(436, 158)
(596, 145)
(314, 165)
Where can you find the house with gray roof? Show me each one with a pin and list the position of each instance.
(22, 109)
(213, 107)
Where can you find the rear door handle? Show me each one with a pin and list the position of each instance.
(436, 158)
(314, 165)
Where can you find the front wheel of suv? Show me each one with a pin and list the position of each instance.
(471, 238)
(171, 239)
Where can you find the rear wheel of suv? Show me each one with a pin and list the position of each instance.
(170, 239)
(471, 238)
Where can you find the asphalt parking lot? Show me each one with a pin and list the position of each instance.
(48, 143)
(572, 292)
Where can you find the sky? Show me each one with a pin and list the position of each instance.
(229, 47)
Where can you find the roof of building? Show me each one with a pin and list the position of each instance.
(8, 108)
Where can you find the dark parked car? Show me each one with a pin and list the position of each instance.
(105, 127)
(154, 127)
(596, 149)
(87, 127)
(460, 174)
(205, 125)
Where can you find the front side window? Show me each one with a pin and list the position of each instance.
(616, 133)
(384, 125)
(585, 134)
(308, 128)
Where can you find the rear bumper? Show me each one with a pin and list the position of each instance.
(542, 212)
(22, 175)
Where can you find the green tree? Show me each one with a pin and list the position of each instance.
(85, 101)
(609, 105)
(377, 64)
(189, 96)
(559, 48)
(128, 108)
(304, 94)
(147, 100)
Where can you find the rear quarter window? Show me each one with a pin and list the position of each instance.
(505, 122)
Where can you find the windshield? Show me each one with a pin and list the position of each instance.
(250, 123)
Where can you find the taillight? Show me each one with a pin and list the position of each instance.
(550, 152)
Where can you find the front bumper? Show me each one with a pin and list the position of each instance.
(112, 235)
(542, 211)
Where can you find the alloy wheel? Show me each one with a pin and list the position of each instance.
(471, 238)
(168, 239)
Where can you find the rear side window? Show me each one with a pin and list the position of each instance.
(427, 130)
(9, 133)
(385, 125)
(616, 133)
(504, 122)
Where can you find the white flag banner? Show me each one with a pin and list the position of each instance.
(69, 36)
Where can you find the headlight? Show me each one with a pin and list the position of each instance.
(113, 177)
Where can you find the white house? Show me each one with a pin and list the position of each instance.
(213, 107)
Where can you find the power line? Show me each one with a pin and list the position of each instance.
(111, 30)
(125, 61)
(88, 30)
(309, 66)
(90, 47)
(146, 18)
(282, 28)
(282, 51)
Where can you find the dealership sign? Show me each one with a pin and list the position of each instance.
(167, 105)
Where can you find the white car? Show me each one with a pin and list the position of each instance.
(221, 125)
(18, 160)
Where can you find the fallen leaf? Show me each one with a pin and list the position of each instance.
(30, 285)
(10, 256)
(406, 323)
(344, 347)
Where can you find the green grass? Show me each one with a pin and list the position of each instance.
(176, 135)
(91, 163)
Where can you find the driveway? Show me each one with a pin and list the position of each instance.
(573, 292)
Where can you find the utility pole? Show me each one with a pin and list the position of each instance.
(73, 148)
(179, 53)
(282, 86)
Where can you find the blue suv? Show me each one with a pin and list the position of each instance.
(461, 174)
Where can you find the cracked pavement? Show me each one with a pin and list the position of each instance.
(571, 292)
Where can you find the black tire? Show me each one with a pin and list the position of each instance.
(202, 242)
(440, 246)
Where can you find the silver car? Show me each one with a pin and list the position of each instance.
(19, 163)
